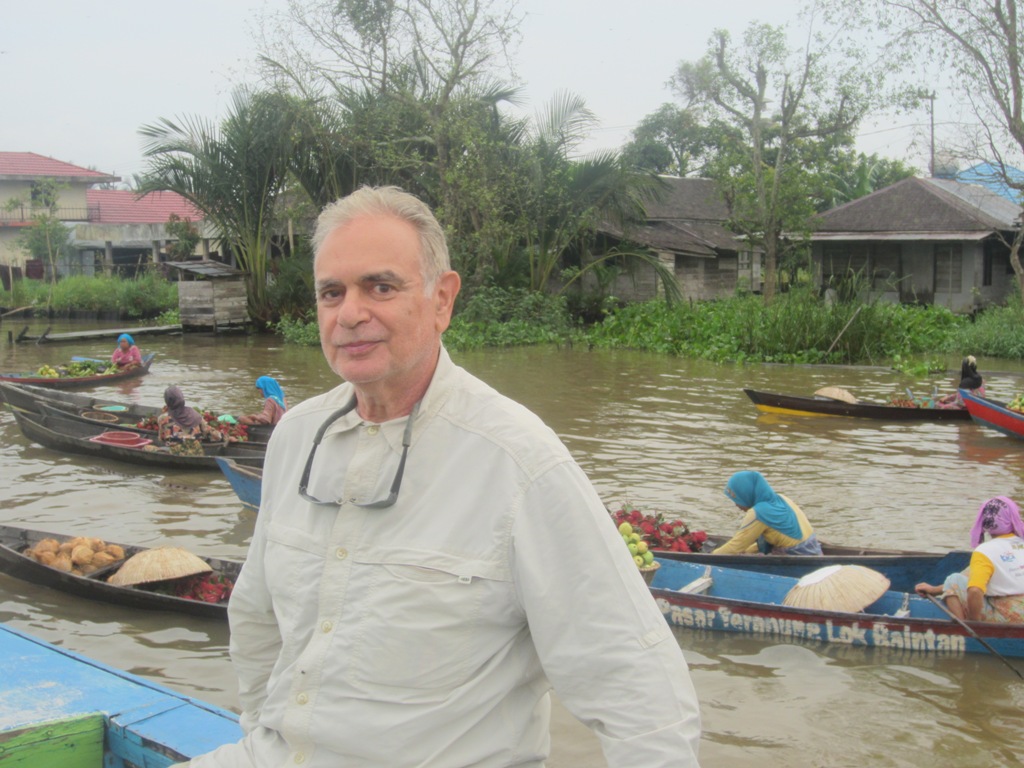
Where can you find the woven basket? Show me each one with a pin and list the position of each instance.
(648, 572)
(109, 418)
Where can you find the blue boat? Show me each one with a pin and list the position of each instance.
(246, 481)
(706, 597)
(59, 708)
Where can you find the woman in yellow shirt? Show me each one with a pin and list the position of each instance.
(773, 524)
(992, 587)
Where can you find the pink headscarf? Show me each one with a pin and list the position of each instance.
(996, 517)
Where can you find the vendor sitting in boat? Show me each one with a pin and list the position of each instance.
(182, 429)
(274, 404)
(992, 587)
(970, 380)
(773, 523)
(126, 355)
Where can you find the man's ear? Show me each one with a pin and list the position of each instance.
(445, 291)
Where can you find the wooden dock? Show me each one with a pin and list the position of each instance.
(104, 333)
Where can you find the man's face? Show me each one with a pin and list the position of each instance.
(378, 329)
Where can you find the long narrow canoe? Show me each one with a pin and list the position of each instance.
(14, 540)
(904, 568)
(994, 415)
(706, 597)
(109, 413)
(62, 709)
(72, 436)
(770, 402)
(78, 382)
(246, 480)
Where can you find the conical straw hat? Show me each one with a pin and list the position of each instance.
(158, 564)
(844, 588)
(836, 393)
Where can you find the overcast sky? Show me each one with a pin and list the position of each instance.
(78, 79)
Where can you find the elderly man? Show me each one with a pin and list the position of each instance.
(429, 561)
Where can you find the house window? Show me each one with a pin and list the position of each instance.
(949, 268)
(885, 266)
(877, 262)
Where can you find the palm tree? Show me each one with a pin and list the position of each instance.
(233, 173)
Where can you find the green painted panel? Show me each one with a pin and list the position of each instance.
(72, 743)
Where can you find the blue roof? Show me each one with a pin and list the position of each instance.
(991, 177)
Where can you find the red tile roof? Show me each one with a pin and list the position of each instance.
(16, 164)
(118, 206)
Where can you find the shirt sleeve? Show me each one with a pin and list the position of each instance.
(980, 571)
(606, 648)
(745, 539)
(266, 416)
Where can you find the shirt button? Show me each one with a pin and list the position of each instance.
(302, 698)
(326, 626)
(373, 429)
(299, 758)
(342, 553)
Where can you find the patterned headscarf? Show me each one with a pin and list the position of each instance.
(272, 390)
(996, 517)
(186, 417)
(126, 337)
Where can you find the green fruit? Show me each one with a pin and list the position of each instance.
(632, 548)
(625, 529)
(648, 557)
(639, 561)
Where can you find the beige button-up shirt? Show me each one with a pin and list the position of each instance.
(429, 633)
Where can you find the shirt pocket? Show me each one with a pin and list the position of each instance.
(294, 563)
(422, 628)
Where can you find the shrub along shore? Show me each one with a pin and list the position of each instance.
(797, 327)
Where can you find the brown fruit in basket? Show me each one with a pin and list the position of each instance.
(81, 554)
(116, 550)
(101, 559)
(67, 546)
(46, 545)
(46, 558)
(62, 562)
(96, 545)
(85, 569)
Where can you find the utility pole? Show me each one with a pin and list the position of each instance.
(931, 115)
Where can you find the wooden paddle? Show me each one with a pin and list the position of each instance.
(974, 634)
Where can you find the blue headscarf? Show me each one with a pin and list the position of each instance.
(272, 390)
(126, 337)
(750, 489)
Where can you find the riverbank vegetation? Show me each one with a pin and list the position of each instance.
(147, 295)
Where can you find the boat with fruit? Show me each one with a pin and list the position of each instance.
(707, 597)
(1007, 418)
(61, 708)
(672, 539)
(79, 374)
(63, 433)
(16, 559)
(130, 417)
(900, 409)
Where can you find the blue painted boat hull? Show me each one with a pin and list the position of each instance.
(246, 481)
(750, 602)
(144, 723)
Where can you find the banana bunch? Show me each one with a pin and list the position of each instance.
(48, 372)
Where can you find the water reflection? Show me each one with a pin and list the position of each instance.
(661, 433)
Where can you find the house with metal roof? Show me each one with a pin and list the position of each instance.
(922, 241)
(685, 226)
(110, 229)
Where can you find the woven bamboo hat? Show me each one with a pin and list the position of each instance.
(845, 588)
(158, 564)
(836, 393)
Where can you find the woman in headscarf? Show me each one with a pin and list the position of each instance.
(182, 428)
(992, 587)
(773, 524)
(274, 404)
(970, 380)
(126, 355)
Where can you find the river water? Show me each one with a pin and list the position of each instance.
(661, 433)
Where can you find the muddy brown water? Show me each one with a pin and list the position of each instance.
(658, 432)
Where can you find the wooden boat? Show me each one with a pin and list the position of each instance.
(769, 402)
(904, 568)
(109, 413)
(994, 415)
(246, 480)
(66, 434)
(706, 597)
(15, 540)
(78, 382)
(64, 709)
